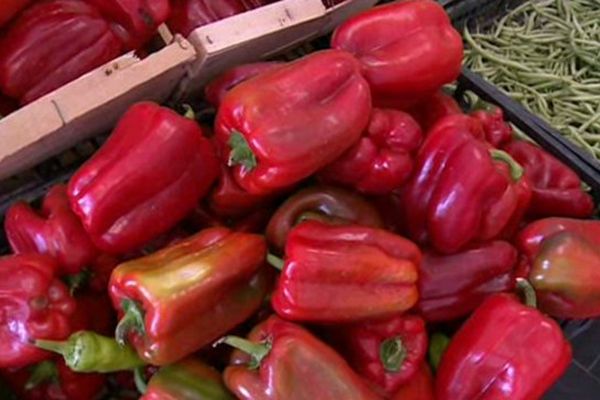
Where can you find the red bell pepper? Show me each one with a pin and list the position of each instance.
(383, 158)
(557, 190)
(433, 109)
(55, 231)
(134, 21)
(277, 137)
(566, 276)
(388, 353)
(185, 296)
(420, 387)
(53, 380)
(327, 203)
(497, 131)
(281, 360)
(52, 43)
(345, 274)
(34, 304)
(216, 90)
(189, 379)
(531, 238)
(505, 350)
(10, 8)
(408, 50)
(462, 192)
(452, 286)
(169, 166)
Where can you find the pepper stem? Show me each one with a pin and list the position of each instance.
(241, 153)
(275, 261)
(437, 346)
(42, 372)
(140, 380)
(516, 171)
(189, 112)
(528, 292)
(257, 351)
(132, 321)
(392, 354)
(58, 347)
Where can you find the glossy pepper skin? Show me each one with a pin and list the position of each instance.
(383, 157)
(216, 90)
(327, 203)
(505, 350)
(497, 130)
(530, 239)
(286, 124)
(52, 43)
(556, 188)
(190, 293)
(54, 231)
(434, 108)
(169, 166)
(294, 365)
(407, 50)
(565, 274)
(34, 304)
(451, 286)
(388, 353)
(462, 191)
(420, 387)
(189, 379)
(345, 273)
(10, 8)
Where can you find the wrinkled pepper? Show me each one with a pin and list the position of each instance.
(34, 305)
(216, 89)
(556, 189)
(383, 157)
(505, 350)
(283, 361)
(420, 387)
(89, 352)
(54, 42)
(286, 124)
(188, 15)
(345, 273)
(387, 353)
(185, 296)
(327, 203)
(497, 131)
(452, 286)
(566, 276)
(55, 231)
(407, 49)
(462, 191)
(10, 8)
(189, 379)
(433, 109)
(169, 166)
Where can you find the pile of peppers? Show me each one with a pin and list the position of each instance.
(343, 231)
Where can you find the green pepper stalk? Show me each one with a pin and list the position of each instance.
(89, 352)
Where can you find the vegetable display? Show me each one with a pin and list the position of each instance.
(341, 230)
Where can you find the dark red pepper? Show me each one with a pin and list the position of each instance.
(34, 305)
(505, 350)
(345, 274)
(274, 137)
(556, 189)
(407, 49)
(216, 90)
(420, 387)
(388, 353)
(433, 109)
(452, 286)
(497, 131)
(94, 312)
(10, 8)
(463, 191)
(168, 166)
(383, 158)
(55, 231)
